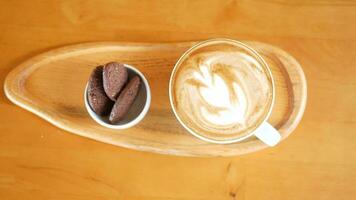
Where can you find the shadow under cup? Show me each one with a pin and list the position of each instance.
(188, 120)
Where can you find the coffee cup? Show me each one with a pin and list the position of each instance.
(222, 91)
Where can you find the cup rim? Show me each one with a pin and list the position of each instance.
(217, 41)
(131, 123)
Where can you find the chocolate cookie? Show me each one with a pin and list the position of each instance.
(97, 98)
(125, 100)
(114, 76)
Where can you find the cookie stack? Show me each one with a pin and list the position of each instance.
(110, 91)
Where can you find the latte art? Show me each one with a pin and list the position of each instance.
(221, 92)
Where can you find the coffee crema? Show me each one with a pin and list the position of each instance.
(221, 93)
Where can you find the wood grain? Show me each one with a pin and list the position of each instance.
(318, 161)
(52, 84)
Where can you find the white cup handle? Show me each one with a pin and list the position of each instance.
(268, 134)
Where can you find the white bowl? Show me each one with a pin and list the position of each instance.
(138, 109)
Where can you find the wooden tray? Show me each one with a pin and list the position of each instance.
(51, 85)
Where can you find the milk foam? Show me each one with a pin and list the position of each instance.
(221, 92)
(216, 93)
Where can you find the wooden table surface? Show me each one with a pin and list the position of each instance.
(318, 161)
